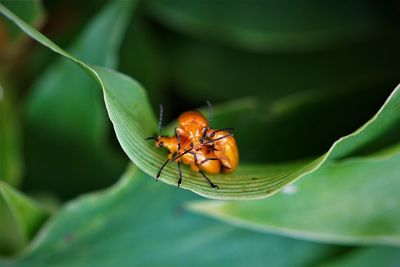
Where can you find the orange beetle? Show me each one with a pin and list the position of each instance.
(204, 149)
(225, 149)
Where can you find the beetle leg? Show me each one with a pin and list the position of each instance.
(214, 149)
(207, 159)
(211, 147)
(179, 161)
(184, 153)
(151, 138)
(162, 167)
(196, 160)
(202, 173)
(208, 180)
(179, 174)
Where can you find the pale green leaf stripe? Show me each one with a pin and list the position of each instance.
(133, 120)
(353, 201)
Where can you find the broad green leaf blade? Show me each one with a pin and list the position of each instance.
(367, 257)
(10, 146)
(353, 201)
(133, 120)
(20, 218)
(66, 101)
(249, 181)
(273, 25)
(132, 125)
(140, 222)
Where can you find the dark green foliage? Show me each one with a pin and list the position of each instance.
(308, 87)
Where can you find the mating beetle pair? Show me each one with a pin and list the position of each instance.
(195, 143)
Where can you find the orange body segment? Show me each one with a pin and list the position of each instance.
(192, 125)
(226, 150)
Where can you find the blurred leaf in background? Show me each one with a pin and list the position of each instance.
(274, 25)
(142, 56)
(10, 139)
(12, 43)
(367, 257)
(292, 78)
(352, 201)
(141, 223)
(327, 83)
(11, 38)
(252, 181)
(20, 218)
(74, 108)
(65, 112)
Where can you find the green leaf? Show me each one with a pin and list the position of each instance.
(204, 68)
(367, 257)
(285, 128)
(10, 147)
(273, 25)
(66, 121)
(142, 57)
(66, 101)
(133, 120)
(139, 222)
(31, 11)
(289, 89)
(353, 201)
(249, 181)
(20, 217)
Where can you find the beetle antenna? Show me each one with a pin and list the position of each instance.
(210, 112)
(222, 130)
(160, 119)
(151, 138)
(219, 138)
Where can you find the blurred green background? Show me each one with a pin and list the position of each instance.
(312, 71)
